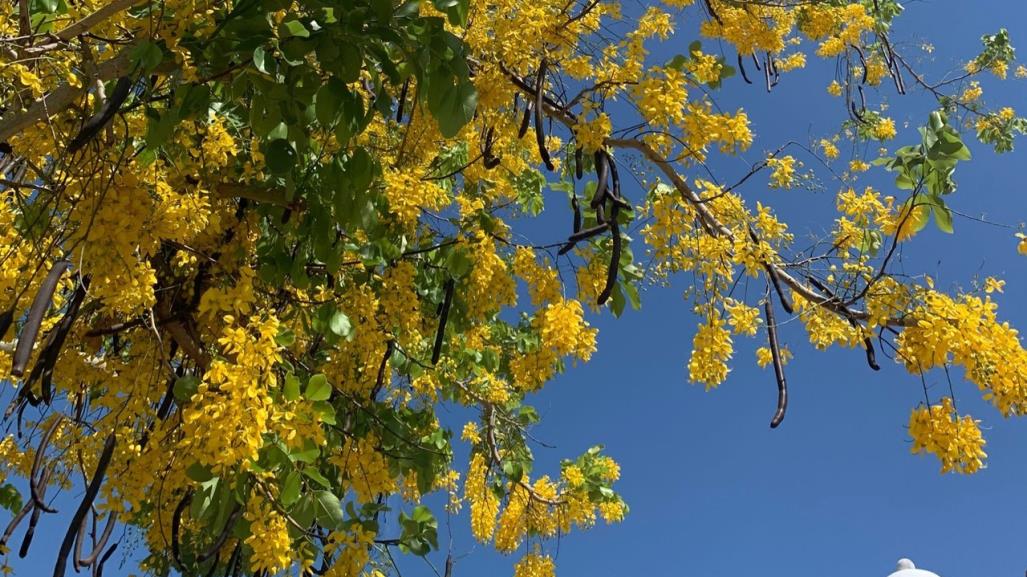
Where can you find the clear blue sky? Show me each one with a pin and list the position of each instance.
(835, 491)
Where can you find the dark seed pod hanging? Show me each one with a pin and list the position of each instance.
(611, 272)
(447, 302)
(540, 134)
(39, 305)
(602, 173)
(579, 170)
(525, 121)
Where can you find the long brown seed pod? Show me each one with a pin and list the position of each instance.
(611, 273)
(379, 382)
(52, 349)
(222, 537)
(29, 534)
(582, 235)
(402, 100)
(31, 531)
(98, 572)
(176, 527)
(540, 134)
(602, 173)
(525, 121)
(741, 68)
(37, 482)
(96, 122)
(13, 525)
(579, 170)
(868, 345)
(577, 214)
(87, 502)
(447, 301)
(88, 560)
(779, 371)
(6, 320)
(39, 305)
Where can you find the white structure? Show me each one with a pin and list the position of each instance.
(906, 568)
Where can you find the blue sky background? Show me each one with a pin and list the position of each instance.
(835, 491)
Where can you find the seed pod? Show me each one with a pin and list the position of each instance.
(741, 68)
(51, 351)
(402, 100)
(176, 524)
(39, 305)
(525, 121)
(6, 320)
(447, 301)
(87, 502)
(577, 213)
(540, 134)
(779, 372)
(611, 273)
(96, 122)
(579, 170)
(580, 236)
(602, 171)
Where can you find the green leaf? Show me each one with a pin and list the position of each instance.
(340, 325)
(317, 477)
(10, 498)
(327, 510)
(185, 387)
(147, 54)
(199, 473)
(292, 387)
(293, 28)
(281, 156)
(329, 99)
(291, 489)
(943, 218)
(452, 102)
(261, 59)
(318, 388)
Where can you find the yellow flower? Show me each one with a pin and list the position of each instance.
(956, 441)
(591, 135)
(783, 175)
(884, 129)
(834, 89)
(829, 148)
(992, 284)
(1021, 247)
(534, 565)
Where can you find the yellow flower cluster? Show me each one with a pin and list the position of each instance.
(535, 565)
(591, 134)
(364, 468)
(711, 349)
(353, 549)
(956, 441)
(225, 420)
(783, 171)
(483, 502)
(269, 537)
(563, 328)
(543, 284)
(884, 129)
(966, 331)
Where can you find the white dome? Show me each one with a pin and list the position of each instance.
(907, 569)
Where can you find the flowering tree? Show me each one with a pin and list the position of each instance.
(249, 248)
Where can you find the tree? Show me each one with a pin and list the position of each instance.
(249, 248)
